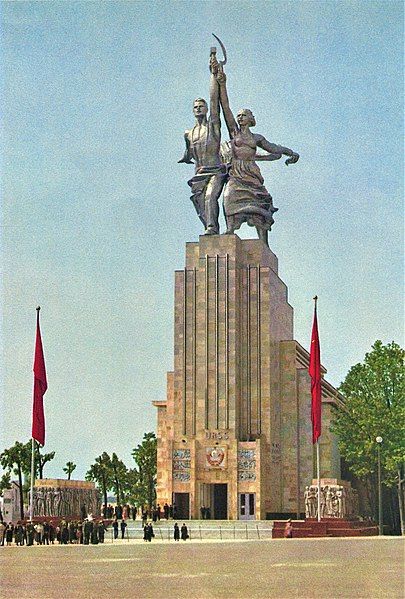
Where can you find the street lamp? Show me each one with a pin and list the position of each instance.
(380, 521)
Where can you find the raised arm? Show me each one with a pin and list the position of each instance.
(223, 96)
(214, 90)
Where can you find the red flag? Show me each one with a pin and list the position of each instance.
(40, 386)
(315, 374)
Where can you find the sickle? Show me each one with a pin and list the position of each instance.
(221, 62)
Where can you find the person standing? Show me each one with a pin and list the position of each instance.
(94, 534)
(30, 533)
(9, 534)
(39, 531)
(184, 533)
(51, 533)
(64, 533)
(115, 528)
(288, 530)
(2, 532)
(123, 527)
(46, 533)
(86, 532)
(19, 534)
(101, 531)
(176, 533)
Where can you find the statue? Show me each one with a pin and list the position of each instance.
(329, 501)
(203, 149)
(245, 198)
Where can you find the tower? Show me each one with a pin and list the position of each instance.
(234, 434)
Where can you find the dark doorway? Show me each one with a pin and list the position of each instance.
(181, 506)
(220, 501)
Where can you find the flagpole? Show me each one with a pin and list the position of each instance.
(32, 478)
(33, 452)
(316, 398)
(318, 476)
(318, 460)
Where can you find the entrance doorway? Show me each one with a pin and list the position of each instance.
(247, 506)
(220, 501)
(181, 503)
(214, 500)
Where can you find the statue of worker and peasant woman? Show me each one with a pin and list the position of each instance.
(229, 167)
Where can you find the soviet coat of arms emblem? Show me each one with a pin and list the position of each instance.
(215, 456)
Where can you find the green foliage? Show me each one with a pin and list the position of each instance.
(5, 483)
(145, 456)
(40, 458)
(374, 405)
(68, 469)
(119, 472)
(17, 460)
(101, 472)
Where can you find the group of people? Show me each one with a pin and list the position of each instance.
(180, 532)
(120, 512)
(126, 512)
(47, 533)
(205, 512)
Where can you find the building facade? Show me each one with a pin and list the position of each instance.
(234, 433)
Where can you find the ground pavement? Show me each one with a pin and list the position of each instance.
(367, 568)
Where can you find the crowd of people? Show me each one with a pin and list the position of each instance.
(84, 532)
(126, 512)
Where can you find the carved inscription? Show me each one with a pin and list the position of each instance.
(246, 464)
(217, 435)
(181, 465)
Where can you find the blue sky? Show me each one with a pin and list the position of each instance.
(96, 210)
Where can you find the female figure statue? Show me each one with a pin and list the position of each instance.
(245, 198)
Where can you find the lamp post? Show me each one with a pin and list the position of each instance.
(380, 521)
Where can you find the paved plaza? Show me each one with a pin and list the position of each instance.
(367, 568)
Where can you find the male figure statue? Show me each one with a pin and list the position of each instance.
(203, 150)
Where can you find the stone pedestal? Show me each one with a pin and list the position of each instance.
(327, 527)
(338, 499)
(235, 430)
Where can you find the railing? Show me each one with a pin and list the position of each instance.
(198, 532)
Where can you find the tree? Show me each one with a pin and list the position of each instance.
(145, 456)
(40, 458)
(5, 482)
(17, 459)
(101, 473)
(70, 466)
(120, 472)
(374, 405)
